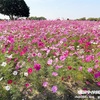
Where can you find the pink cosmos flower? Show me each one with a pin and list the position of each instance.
(81, 41)
(34, 41)
(58, 67)
(49, 62)
(56, 53)
(45, 84)
(98, 83)
(54, 89)
(96, 66)
(23, 51)
(4, 50)
(80, 68)
(10, 48)
(66, 53)
(89, 58)
(87, 82)
(62, 58)
(37, 67)
(30, 70)
(39, 55)
(90, 70)
(16, 59)
(54, 74)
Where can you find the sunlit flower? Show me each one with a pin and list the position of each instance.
(15, 73)
(25, 74)
(3, 64)
(7, 88)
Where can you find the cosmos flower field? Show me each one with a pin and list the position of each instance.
(40, 56)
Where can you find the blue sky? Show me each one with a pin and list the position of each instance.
(53, 9)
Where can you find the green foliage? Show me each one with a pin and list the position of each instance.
(83, 18)
(37, 18)
(93, 19)
(88, 19)
(14, 8)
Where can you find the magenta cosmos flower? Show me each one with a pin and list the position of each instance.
(97, 75)
(37, 67)
(89, 58)
(30, 70)
(27, 85)
(98, 83)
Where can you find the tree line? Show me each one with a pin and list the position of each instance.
(89, 19)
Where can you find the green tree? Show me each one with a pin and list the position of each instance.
(37, 18)
(93, 19)
(83, 18)
(13, 8)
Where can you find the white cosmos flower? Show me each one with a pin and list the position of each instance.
(15, 73)
(25, 74)
(3, 64)
(81, 51)
(80, 92)
(10, 56)
(7, 88)
(78, 46)
(1, 46)
(1, 78)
